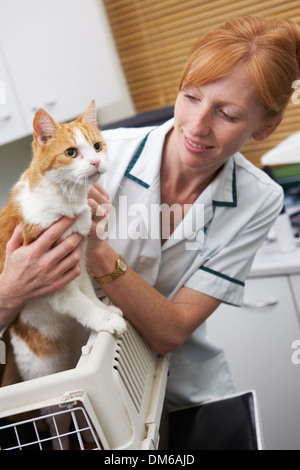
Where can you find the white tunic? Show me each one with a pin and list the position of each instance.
(210, 251)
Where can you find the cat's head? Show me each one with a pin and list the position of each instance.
(70, 153)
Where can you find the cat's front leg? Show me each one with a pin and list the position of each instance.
(86, 286)
(99, 317)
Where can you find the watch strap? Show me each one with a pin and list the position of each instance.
(114, 275)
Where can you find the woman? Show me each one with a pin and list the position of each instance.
(235, 86)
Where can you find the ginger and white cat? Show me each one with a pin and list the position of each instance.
(67, 160)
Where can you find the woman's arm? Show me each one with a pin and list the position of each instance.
(164, 324)
(37, 269)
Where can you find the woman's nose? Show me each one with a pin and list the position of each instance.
(201, 122)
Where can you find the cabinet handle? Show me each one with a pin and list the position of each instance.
(5, 118)
(45, 105)
(262, 304)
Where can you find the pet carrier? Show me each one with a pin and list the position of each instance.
(112, 399)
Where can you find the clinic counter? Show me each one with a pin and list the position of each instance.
(269, 261)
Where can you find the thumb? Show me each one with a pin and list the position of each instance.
(16, 240)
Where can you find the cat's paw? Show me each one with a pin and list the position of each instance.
(107, 304)
(115, 310)
(114, 323)
(110, 320)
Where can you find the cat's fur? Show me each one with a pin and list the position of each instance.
(53, 186)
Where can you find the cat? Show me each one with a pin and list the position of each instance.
(67, 159)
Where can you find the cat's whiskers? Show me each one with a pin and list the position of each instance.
(78, 189)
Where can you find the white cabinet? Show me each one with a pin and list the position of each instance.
(11, 120)
(59, 56)
(257, 340)
(295, 282)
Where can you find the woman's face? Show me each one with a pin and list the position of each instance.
(215, 120)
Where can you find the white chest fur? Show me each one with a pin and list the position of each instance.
(45, 204)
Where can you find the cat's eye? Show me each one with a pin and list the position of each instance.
(71, 152)
(97, 147)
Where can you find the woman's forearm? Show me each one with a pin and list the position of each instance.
(164, 324)
(7, 316)
(9, 305)
(148, 310)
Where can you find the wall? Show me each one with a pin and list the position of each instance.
(154, 38)
(14, 157)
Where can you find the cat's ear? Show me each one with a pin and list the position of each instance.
(90, 115)
(44, 127)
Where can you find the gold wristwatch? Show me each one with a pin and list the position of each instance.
(121, 267)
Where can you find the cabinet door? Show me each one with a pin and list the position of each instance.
(12, 124)
(58, 54)
(295, 282)
(257, 340)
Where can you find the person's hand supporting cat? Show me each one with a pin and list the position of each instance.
(37, 269)
(99, 203)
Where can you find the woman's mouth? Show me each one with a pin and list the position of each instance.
(195, 147)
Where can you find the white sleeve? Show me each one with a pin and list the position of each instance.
(223, 275)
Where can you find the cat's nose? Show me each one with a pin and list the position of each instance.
(95, 163)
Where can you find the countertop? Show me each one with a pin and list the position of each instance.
(269, 261)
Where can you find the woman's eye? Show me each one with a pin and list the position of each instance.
(97, 146)
(228, 117)
(191, 97)
(71, 152)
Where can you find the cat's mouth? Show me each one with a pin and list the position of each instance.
(94, 174)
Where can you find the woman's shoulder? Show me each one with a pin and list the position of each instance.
(246, 170)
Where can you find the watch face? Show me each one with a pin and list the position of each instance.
(122, 264)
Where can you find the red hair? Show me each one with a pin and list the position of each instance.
(268, 48)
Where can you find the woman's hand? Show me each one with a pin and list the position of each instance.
(98, 200)
(38, 269)
(97, 247)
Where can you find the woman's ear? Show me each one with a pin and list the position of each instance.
(267, 129)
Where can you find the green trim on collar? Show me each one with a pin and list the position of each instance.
(223, 276)
(133, 162)
(234, 192)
